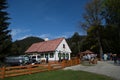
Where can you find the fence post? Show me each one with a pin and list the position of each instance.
(29, 69)
(66, 63)
(63, 64)
(79, 61)
(49, 67)
(3, 72)
(70, 62)
(76, 61)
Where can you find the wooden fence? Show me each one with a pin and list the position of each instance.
(29, 69)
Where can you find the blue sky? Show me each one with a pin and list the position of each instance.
(45, 18)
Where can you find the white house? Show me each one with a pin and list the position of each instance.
(53, 49)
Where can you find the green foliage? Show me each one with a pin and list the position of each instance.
(92, 15)
(5, 37)
(75, 43)
(111, 42)
(61, 75)
(102, 24)
(94, 35)
(92, 24)
(111, 14)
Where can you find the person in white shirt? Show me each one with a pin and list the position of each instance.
(105, 56)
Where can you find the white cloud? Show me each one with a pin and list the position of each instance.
(15, 32)
(44, 36)
(51, 36)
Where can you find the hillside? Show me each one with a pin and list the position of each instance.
(20, 46)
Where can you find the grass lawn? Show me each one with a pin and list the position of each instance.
(61, 75)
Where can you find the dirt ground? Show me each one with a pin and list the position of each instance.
(103, 67)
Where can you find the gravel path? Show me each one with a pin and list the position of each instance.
(106, 68)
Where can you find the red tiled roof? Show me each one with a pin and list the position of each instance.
(87, 52)
(45, 46)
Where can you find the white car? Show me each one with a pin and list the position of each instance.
(36, 58)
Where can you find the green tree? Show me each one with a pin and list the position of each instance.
(111, 14)
(75, 43)
(110, 39)
(93, 22)
(5, 37)
(102, 23)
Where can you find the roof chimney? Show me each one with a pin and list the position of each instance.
(46, 39)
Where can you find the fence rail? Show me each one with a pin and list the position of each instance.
(29, 69)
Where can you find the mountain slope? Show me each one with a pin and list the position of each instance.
(20, 46)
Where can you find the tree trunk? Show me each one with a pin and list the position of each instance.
(100, 45)
(101, 52)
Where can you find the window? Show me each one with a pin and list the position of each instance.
(67, 56)
(42, 55)
(63, 45)
(63, 55)
(59, 54)
(46, 55)
(51, 55)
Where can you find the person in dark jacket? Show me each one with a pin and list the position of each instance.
(46, 59)
(115, 58)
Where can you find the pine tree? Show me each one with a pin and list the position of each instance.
(5, 37)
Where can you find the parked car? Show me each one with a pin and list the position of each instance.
(17, 60)
(35, 58)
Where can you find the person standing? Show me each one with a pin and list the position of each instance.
(46, 59)
(119, 58)
(88, 56)
(115, 58)
(105, 57)
(111, 56)
(108, 58)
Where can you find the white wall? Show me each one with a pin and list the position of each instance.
(51, 59)
(63, 50)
